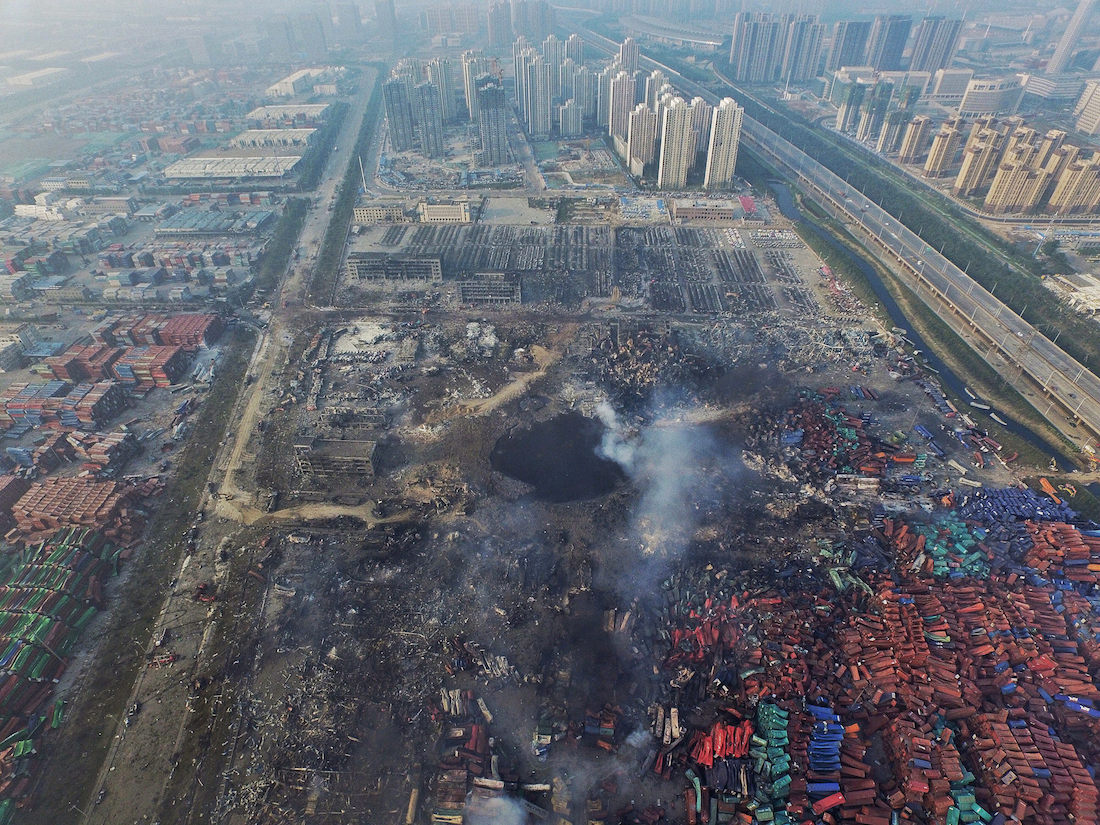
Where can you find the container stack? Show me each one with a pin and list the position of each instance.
(59, 404)
(191, 331)
(12, 489)
(47, 599)
(92, 406)
(104, 453)
(1028, 774)
(770, 751)
(30, 403)
(143, 368)
(54, 503)
(90, 363)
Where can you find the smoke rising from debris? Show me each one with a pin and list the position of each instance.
(675, 466)
(498, 810)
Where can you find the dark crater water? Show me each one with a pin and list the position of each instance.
(558, 458)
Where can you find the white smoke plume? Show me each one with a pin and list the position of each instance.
(494, 810)
(673, 464)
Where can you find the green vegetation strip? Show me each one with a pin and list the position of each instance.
(313, 162)
(283, 241)
(325, 276)
(988, 259)
(954, 350)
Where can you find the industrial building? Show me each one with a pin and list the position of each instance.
(324, 458)
(456, 212)
(1087, 110)
(991, 97)
(273, 139)
(209, 168)
(380, 267)
(494, 288)
(297, 83)
(368, 213)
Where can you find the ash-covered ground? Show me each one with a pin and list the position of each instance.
(513, 585)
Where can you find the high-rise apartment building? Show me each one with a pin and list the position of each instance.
(941, 157)
(1019, 184)
(980, 158)
(849, 46)
(889, 34)
(725, 140)
(889, 139)
(574, 48)
(553, 51)
(567, 73)
(641, 141)
(584, 92)
(441, 74)
(350, 22)
(1078, 187)
(500, 26)
(532, 18)
(872, 112)
(915, 139)
(428, 112)
(653, 83)
(537, 98)
(1087, 110)
(849, 101)
(937, 40)
(756, 53)
(385, 17)
(677, 146)
(802, 50)
(492, 122)
(629, 53)
(1063, 52)
(603, 93)
(702, 113)
(474, 65)
(621, 102)
(399, 115)
(309, 36)
(570, 119)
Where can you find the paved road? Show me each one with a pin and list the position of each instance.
(1064, 381)
(139, 753)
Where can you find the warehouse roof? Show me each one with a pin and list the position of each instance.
(262, 167)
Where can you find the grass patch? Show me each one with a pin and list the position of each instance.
(544, 150)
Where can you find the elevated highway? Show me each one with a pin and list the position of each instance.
(1066, 386)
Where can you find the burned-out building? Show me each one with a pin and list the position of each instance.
(491, 288)
(378, 266)
(328, 457)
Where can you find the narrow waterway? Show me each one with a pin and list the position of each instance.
(946, 375)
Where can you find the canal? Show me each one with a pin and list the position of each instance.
(946, 375)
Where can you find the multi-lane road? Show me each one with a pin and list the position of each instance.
(1064, 383)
